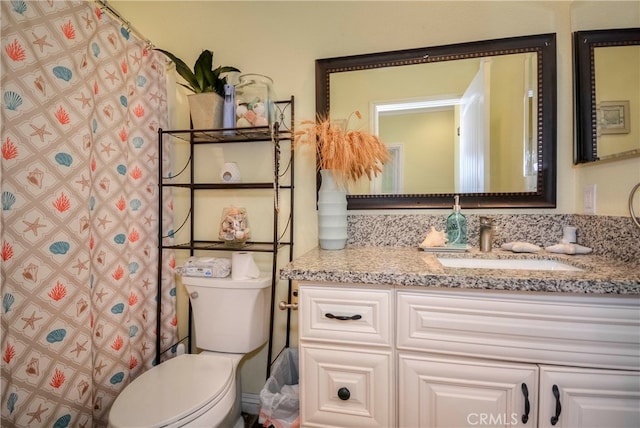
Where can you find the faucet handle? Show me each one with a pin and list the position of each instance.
(486, 221)
(487, 230)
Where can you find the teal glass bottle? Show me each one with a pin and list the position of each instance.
(456, 225)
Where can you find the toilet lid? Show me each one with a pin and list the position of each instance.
(172, 391)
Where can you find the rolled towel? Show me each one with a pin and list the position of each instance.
(521, 247)
(568, 249)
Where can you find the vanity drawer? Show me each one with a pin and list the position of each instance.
(346, 387)
(348, 315)
(586, 331)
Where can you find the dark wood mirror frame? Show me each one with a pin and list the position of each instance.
(545, 47)
(584, 42)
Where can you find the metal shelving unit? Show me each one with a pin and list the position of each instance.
(281, 132)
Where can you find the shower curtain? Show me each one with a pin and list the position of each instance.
(82, 101)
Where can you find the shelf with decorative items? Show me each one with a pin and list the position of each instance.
(206, 185)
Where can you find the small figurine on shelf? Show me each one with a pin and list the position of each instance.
(234, 227)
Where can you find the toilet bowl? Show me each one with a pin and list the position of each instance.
(191, 390)
(202, 390)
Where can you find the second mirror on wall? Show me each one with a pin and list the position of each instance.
(607, 93)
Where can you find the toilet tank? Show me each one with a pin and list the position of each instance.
(229, 315)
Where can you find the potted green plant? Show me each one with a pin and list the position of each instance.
(207, 85)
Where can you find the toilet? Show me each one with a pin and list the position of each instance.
(231, 319)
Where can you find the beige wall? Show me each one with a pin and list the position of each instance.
(283, 39)
(507, 124)
(428, 143)
(613, 180)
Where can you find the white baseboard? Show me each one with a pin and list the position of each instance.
(250, 403)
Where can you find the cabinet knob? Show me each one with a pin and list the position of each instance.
(344, 394)
(194, 295)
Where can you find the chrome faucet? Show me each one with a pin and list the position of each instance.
(487, 229)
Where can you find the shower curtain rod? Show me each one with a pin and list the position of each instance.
(105, 6)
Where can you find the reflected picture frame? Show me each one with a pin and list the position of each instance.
(613, 117)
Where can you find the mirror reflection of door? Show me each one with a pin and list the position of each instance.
(472, 160)
(391, 180)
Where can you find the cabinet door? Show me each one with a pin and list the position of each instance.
(455, 392)
(345, 387)
(584, 398)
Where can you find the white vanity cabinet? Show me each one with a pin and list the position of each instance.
(443, 391)
(589, 398)
(423, 357)
(468, 358)
(346, 356)
(436, 391)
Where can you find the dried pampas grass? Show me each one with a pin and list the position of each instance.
(348, 154)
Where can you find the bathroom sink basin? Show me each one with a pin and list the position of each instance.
(519, 264)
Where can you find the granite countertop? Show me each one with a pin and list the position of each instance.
(406, 266)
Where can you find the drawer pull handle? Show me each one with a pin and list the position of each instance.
(344, 394)
(343, 317)
(556, 393)
(527, 406)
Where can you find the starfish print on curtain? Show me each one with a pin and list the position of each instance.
(82, 102)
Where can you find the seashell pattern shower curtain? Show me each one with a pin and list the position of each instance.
(82, 101)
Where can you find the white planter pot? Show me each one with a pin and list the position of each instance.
(332, 213)
(206, 110)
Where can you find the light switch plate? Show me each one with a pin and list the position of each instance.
(589, 199)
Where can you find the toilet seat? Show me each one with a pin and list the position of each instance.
(174, 392)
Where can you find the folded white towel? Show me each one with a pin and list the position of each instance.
(521, 247)
(568, 249)
(213, 267)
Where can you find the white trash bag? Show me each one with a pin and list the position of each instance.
(279, 398)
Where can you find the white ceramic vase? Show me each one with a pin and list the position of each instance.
(332, 213)
(206, 110)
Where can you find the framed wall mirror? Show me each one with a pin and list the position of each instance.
(607, 94)
(475, 119)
